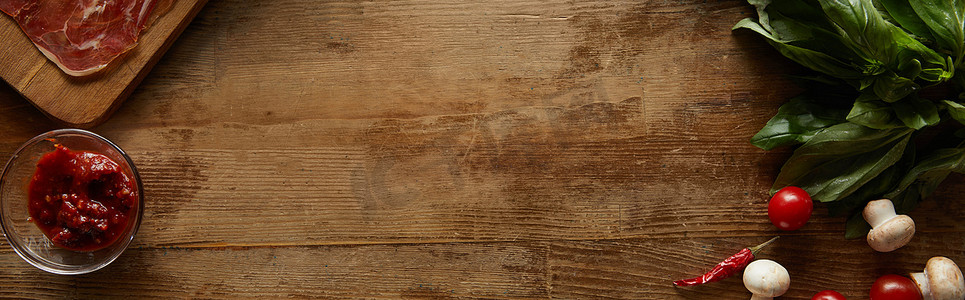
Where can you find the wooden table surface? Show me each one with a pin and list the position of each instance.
(436, 149)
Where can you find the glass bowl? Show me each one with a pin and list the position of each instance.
(25, 238)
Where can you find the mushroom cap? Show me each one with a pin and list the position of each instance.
(892, 234)
(765, 277)
(945, 279)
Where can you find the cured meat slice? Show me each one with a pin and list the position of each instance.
(81, 36)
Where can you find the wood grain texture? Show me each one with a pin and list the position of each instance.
(448, 149)
(86, 101)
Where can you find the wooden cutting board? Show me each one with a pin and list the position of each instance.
(86, 101)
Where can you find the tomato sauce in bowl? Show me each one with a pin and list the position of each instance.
(80, 200)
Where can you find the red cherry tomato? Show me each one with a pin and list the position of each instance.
(790, 208)
(828, 295)
(894, 287)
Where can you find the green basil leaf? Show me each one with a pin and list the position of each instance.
(796, 122)
(907, 201)
(856, 227)
(955, 110)
(877, 187)
(916, 113)
(936, 68)
(884, 47)
(945, 19)
(866, 82)
(812, 59)
(840, 159)
(871, 112)
(931, 171)
(890, 87)
(902, 12)
(803, 25)
(850, 40)
(935, 74)
(874, 189)
(908, 67)
(863, 25)
(800, 32)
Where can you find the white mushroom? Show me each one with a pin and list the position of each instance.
(890, 231)
(942, 280)
(766, 279)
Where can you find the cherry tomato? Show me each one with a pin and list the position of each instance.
(828, 295)
(790, 208)
(894, 287)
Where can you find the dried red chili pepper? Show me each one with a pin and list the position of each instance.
(727, 267)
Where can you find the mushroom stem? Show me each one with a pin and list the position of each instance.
(878, 212)
(922, 282)
(759, 297)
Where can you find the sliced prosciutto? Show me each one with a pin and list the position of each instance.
(81, 36)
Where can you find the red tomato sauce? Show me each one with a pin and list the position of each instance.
(81, 200)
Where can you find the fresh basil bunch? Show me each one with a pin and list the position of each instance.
(863, 129)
